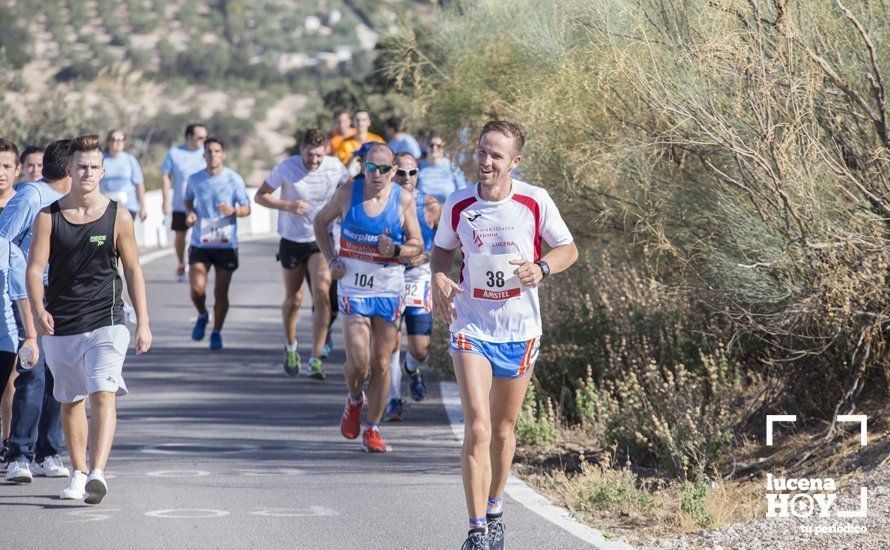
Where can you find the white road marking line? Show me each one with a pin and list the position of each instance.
(312, 511)
(178, 473)
(522, 493)
(187, 513)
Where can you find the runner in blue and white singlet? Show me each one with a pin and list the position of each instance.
(379, 230)
(417, 317)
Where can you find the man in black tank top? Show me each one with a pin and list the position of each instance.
(82, 236)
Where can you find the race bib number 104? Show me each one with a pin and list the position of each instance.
(492, 276)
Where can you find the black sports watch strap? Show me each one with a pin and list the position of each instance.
(545, 269)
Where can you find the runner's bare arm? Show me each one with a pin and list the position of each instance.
(264, 197)
(37, 259)
(413, 244)
(140, 194)
(125, 242)
(443, 288)
(432, 211)
(328, 213)
(558, 259)
(190, 217)
(166, 185)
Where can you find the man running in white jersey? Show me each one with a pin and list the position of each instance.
(82, 236)
(307, 182)
(498, 224)
(378, 231)
(418, 315)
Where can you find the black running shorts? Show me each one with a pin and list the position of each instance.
(292, 255)
(221, 258)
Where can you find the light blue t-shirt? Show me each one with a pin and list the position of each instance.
(180, 163)
(440, 180)
(21, 211)
(122, 175)
(213, 230)
(9, 334)
(405, 145)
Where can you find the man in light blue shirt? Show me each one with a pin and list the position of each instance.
(438, 177)
(214, 198)
(180, 163)
(123, 181)
(400, 141)
(36, 433)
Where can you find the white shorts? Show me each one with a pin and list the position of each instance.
(87, 363)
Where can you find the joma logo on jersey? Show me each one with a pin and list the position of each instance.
(98, 240)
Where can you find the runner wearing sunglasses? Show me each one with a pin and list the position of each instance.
(418, 315)
(379, 230)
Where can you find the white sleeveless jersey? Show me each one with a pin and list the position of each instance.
(494, 306)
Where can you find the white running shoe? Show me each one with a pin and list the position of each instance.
(96, 487)
(76, 489)
(19, 472)
(52, 466)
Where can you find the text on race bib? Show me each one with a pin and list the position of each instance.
(416, 293)
(215, 231)
(492, 276)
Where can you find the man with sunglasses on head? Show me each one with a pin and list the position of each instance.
(418, 315)
(123, 181)
(307, 182)
(378, 231)
(438, 176)
(179, 165)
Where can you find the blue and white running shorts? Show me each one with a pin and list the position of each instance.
(389, 309)
(508, 359)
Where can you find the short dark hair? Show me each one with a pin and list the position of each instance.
(55, 160)
(396, 123)
(212, 140)
(339, 111)
(313, 137)
(190, 129)
(85, 144)
(357, 111)
(30, 150)
(405, 154)
(7, 146)
(507, 128)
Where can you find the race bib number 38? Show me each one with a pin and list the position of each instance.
(492, 277)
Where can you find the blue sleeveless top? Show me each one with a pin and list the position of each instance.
(427, 232)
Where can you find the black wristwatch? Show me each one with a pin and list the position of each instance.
(545, 269)
(396, 251)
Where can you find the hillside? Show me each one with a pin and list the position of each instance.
(249, 69)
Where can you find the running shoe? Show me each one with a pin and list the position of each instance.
(416, 385)
(200, 327)
(51, 466)
(496, 528)
(476, 540)
(19, 471)
(291, 363)
(372, 443)
(316, 369)
(96, 487)
(215, 341)
(328, 347)
(351, 424)
(76, 489)
(180, 274)
(394, 410)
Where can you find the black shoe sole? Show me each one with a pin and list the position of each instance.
(317, 376)
(95, 491)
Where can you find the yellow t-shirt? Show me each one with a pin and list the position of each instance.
(351, 145)
(337, 138)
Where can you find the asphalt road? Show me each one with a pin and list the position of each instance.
(221, 450)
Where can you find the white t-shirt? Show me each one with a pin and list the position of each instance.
(494, 306)
(298, 183)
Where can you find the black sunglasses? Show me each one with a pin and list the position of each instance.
(384, 168)
(404, 173)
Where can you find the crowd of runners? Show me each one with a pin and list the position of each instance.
(373, 226)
